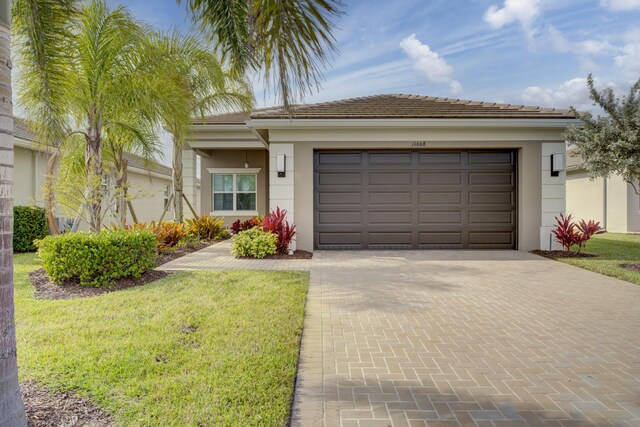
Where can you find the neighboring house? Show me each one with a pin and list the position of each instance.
(150, 183)
(388, 171)
(611, 201)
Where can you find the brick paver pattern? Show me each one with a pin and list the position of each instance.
(466, 338)
(218, 257)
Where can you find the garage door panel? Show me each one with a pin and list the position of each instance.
(491, 178)
(440, 238)
(386, 159)
(340, 239)
(340, 198)
(439, 178)
(390, 217)
(339, 217)
(440, 158)
(484, 217)
(439, 198)
(490, 238)
(340, 179)
(495, 158)
(339, 158)
(389, 178)
(491, 197)
(389, 198)
(415, 199)
(385, 238)
(442, 217)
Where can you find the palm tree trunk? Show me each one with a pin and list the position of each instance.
(122, 187)
(11, 407)
(178, 214)
(93, 164)
(49, 195)
(122, 184)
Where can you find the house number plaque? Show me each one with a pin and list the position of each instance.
(419, 144)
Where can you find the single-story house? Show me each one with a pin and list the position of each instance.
(611, 201)
(389, 171)
(150, 182)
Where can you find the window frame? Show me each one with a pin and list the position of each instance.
(234, 172)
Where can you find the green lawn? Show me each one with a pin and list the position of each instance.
(612, 249)
(193, 349)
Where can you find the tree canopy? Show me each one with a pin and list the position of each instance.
(610, 143)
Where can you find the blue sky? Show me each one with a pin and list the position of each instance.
(536, 52)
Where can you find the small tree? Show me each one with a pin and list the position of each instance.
(610, 144)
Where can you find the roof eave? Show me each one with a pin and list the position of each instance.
(260, 123)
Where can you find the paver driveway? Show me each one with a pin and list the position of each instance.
(466, 338)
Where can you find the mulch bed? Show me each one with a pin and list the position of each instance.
(296, 255)
(45, 289)
(631, 266)
(45, 409)
(563, 254)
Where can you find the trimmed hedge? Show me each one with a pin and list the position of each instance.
(29, 224)
(95, 259)
(255, 243)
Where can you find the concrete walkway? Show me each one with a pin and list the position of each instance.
(218, 257)
(464, 338)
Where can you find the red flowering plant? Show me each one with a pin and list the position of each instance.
(568, 233)
(586, 230)
(239, 225)
(276, 223)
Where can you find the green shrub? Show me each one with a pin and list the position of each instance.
(255, 243)
(207, 227)
(96, 259)
(29, 224)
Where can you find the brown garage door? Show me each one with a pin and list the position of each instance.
(415, 199)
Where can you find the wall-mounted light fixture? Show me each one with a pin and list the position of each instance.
(281, 165)
(557, 164)
(246, 159)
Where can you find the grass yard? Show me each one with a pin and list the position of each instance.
(612, 249)
(192, 349)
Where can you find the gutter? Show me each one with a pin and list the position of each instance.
(409, 123)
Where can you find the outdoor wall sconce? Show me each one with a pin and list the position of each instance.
(557, 164)
(281, 165)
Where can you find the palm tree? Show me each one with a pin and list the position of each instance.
(11, 407)
(201, 82)
(287, 40)
(107, 74)
(41, 34)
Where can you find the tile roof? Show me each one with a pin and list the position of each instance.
(398, 106)
(151, 166)
(21, 129)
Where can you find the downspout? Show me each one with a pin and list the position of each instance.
(605, 200)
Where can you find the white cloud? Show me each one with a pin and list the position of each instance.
(522, 11)
(574, 92)
(455, 87)
(587, 47)
(628, 62)
(429, 63)
(618, 5)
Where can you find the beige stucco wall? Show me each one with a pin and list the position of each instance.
(31, 168)
(586, 200)
(527, 142)
(585, 197)
(234, 159)
(148, 196)
(29, 172)
(633, 210)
